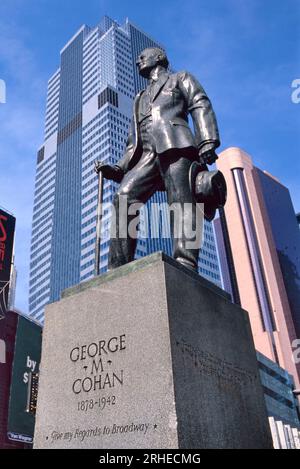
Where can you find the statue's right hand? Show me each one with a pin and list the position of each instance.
(113, 173)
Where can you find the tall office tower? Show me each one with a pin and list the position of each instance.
(223, 259)
(89, 110)
(254, 237)
(209, 262)
(286, 236)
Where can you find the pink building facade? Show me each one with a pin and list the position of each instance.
(257, 269)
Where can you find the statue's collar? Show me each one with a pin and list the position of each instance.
(158, 75)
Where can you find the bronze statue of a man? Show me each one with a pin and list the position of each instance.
(161, 149)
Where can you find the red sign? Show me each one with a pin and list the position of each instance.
(3, 238)
(7, 232)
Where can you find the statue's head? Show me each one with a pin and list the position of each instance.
(149, 58)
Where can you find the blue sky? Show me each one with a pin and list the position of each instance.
(244, 52)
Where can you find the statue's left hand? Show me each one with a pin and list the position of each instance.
(112, 172)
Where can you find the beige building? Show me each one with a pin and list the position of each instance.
(255, 261)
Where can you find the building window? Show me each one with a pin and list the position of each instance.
(108, 96)
(41, 155)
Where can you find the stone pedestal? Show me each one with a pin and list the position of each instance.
(153, 356)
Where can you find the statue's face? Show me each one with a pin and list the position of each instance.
(147, 60)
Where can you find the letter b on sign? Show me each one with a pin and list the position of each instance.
(2, 92)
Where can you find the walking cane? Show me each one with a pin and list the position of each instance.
(98, 221)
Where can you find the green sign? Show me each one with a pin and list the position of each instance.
(21, 416)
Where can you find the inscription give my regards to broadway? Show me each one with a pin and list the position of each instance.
(96, 383)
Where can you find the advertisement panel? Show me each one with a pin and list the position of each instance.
(24, 382)
(7, 233)
(8, 330)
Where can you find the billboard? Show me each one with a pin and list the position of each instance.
(7, 233)
(8, 330)
(24, 381)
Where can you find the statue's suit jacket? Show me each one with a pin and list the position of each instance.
(175, 96)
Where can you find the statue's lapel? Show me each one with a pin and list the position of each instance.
(163, 78)
(136, 111)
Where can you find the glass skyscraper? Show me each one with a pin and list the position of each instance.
(286, 237)
(88, 113)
